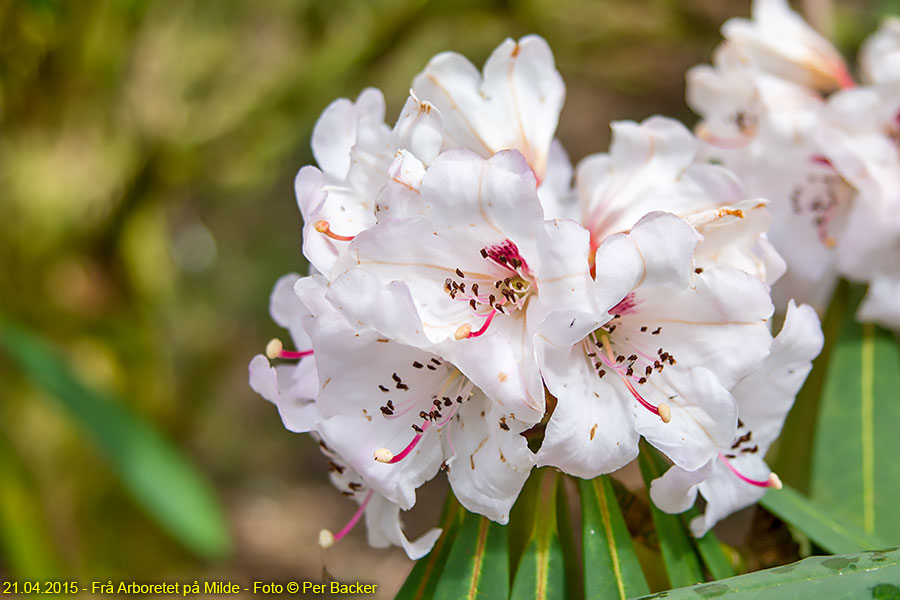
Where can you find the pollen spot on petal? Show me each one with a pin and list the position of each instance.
(501, 376)
(382, 340)
(593, 431)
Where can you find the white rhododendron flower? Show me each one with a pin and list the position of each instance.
(778, 41)
(654, 166)
(397, 414)
(662, 365)
(738, 476)
(473, 274)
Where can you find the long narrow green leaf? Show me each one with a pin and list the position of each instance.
(611, 568)
(826, 531)
(567, 537)
(872, 575)
(478, 565)
(710, 549)
(423, 579)
(540, 574)
(27, 547)
(679, 555)
(856, 474)
(156, 475)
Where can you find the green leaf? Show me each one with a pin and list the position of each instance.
(872, 575)
(26, 543)
(478, 565)
(792, 452)
(856, 474)
(151, 469)
(423, 579)
(827, 532)
(679, 555)
(611, 568)
(710, 549)
(567, 537)
(541, 572)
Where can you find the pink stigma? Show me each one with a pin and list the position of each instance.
(354, 519)
(773, 481)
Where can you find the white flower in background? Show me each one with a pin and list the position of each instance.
(879, 55)
(290, 385)
(383, 525)
(658, 361)
(739, 477)
(471, 271)
(860, 135)
(398, 414)
(778, 41)
(653, 166)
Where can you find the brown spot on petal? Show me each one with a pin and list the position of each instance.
(501, 376)
(593, 431)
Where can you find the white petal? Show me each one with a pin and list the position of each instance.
(704, 416)
(778, 41)
(676, 491)
(337, 130)
(491, 463)
(880, 304)
(657, 252)
(298, 410)
(515, 105)
(591, 430)
(725, 493)
(419, 130)
(879, 55)
(385, 529)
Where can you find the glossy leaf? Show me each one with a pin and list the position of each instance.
(611, 568)
(540, 573)
(423, 579)
(678, 552)
(856, 474)
(478, 564)
(872, 575)
(826, 531)
(151, 469)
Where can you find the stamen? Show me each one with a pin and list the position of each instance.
(275, 349)
(773, 480)
(383, 455)
(327, 539)
(324, 228)
(662, 411)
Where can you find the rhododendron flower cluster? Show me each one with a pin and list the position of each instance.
(466, 291)
(780, 107)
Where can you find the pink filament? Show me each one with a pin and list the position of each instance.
(355, 518)
(742, 477)
(484, 326)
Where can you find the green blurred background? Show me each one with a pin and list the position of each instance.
(147, 157)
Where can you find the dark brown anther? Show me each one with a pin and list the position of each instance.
(644, 328)
(484, 253)
(460, 273)
(417, 364)
(396, 378)
(402, 386)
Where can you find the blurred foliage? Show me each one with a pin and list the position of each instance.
(147, 153)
